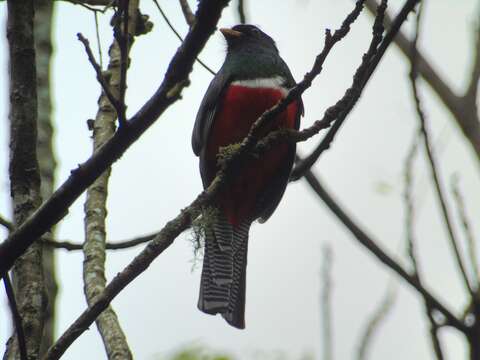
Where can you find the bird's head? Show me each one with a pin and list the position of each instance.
(246, 36)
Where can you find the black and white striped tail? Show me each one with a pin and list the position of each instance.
(222, 286)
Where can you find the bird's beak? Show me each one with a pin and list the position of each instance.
(230, 33)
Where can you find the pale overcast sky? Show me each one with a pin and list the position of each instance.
(159, 175)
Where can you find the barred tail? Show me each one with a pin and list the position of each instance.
(235, 314)
(222, 286)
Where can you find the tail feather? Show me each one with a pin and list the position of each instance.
(214, 294)
(235, 314)
(222, 286)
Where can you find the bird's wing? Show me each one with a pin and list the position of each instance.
(206, 112)
(270, 199)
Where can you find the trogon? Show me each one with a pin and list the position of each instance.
(252, 79)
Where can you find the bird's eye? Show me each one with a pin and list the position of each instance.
(255, 31)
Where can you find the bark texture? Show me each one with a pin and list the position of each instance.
(45, 153)
(24, 172)
(104, 127)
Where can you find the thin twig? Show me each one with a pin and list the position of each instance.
(369, 62)
(467, 229)
(434, 168)
(101, 79)
(99, 44)
(380, 254)
(17, 319)
(104, 3)
(24, 173)
(472, 88)
(411, 248)
(461, 107)
(177, 34)
(241, 11)
(373, 323)
(94, 277)
(326, 304)
(120, 245)
(5, 223)
(89, 5)
(187, 12)
(122, 36)
(409, 205)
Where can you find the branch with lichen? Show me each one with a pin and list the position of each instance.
(46, 157)
(95, 208)
(28, 283)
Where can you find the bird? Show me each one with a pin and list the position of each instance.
(252, 79)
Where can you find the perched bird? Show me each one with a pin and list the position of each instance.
(252, 79)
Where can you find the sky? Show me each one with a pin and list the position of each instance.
(159, 175)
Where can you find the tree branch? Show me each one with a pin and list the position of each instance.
(460, 107)
(120, 245)
(45, 152)
(364, 72)
(241, 11)
(434, 169)
(24, 173)
(411, 248)
(187, 12)
(374, 321)
(5, 223)
(467, 229)
(177, 34)
(17, 319)
(472, 88)
(380, 254)
(113, 337)
(116, 103)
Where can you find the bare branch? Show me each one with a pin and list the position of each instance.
(472, 89)
(187, 12)
(369, 63)
(459, 106)
(120, 245)
(122, 37)
(101, 79)
(43, 28)
(411, 248)
(17, 319)
(467, 229)
(375, 320)
(380, 254)
(241, 11)
(177, 34)
(434, 168)
(94, 278)
(5, 223)
(326, 304)
(92, 2)
(24, 174)
(99, 43)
